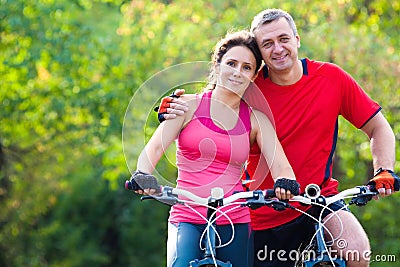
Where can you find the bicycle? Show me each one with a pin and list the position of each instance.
(255, 199)
(359, 195)
(318, 248)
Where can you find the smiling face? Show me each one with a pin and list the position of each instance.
(278, 45)
(237, 69)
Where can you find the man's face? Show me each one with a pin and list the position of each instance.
(278, 45)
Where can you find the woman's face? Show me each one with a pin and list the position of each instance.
(237, 69)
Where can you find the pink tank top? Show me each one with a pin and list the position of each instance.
(208, 156)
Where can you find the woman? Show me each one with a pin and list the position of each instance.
(213, 144)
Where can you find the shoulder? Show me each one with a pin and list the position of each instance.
(187, 98)
(261, 125)
(321, 67)
(258, 118)
(256, 113)
(331, 72)
(190, 99)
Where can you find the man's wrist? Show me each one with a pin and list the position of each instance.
(380, 170)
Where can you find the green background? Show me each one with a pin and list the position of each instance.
(68, 69)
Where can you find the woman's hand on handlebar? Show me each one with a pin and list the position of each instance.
(286, 189)
(143, 183)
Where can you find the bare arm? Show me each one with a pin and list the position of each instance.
(383, 145)
(382, 142)
(164, 135)
(271, 148)
(162, 138)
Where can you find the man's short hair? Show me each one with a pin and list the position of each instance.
(269, 15)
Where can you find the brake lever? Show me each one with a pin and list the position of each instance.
(165, 197)
(147, 198)
(259, 201)
(362, 200)
(278, 205)
(367, 192)
(256, 202)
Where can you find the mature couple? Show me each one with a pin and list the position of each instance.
(217, 133)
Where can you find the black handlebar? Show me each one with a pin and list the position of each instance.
(128, 185)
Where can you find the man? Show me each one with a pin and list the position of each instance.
(306, 97)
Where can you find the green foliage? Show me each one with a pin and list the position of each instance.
(67, 72)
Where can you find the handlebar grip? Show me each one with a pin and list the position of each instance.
(128, 185)
(147, 197)
(269, 193)
(372, 188)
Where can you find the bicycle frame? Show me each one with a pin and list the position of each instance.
(312, 195)
(322, 253)
(210, 247)
(256, 198)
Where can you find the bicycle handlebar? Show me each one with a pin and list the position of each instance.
(360, 195)
(258, 198)
(255, 199)
(171, 195)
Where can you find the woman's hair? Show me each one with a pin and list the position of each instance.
(232, 39)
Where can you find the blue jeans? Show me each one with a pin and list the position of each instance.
(183, 244)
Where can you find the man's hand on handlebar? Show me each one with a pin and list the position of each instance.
(143, 183)
(286, 188)
(385, 182)
(171, 106)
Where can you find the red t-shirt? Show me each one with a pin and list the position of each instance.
(306, 118)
